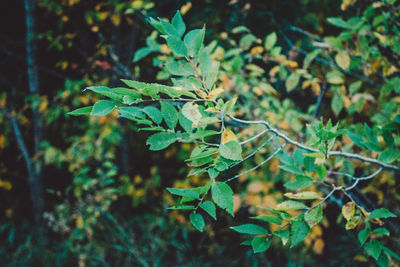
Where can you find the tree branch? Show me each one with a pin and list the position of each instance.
(310, 149)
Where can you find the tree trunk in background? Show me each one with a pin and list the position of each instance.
(35, 184)
(123, 49)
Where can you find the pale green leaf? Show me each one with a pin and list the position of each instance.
(381, 214)
(270, 41)
(198, 221)
(169, 114)
(153, 113)
(183, 192)
(250, 228)
(260, 244)
(299, 231)
(81, 111)
(222, 195)
(209, 207)
(159, 141)
(102, 108)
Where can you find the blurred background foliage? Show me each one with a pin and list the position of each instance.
(105, 202)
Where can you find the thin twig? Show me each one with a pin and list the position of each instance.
(254, 137)
(363, 178)
(257, 166)
(254, 152)
(310, 149)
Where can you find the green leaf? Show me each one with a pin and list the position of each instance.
(260, 244)
(184, 122)
(170, 115)
(314, 216)
(283, 235)
(205, 62)
(291, 169)
(209, 207)
(153, 113)
(338, 22)
(363, 235)
(102, 108)
(127, 92)
(382, 231)
(383, 260)
(178, 23)
(141, 53)
(213, 173)
(270, 219)
(299, 231)
(81, 111)
(389, 155)
(381, 214)
(270, 41)
(128, 112)
(182, 207)
(291, 205)
(183, 192)
(180, 68)
(337, 104)
(335, 77)
(373, 249)
(391, 253)
(105, 91)
(198, 221)
(157, 25)
(353, 88)
(321, 171)
(168, 28)
(246, 243)
(310, 57)
(193, 40)
(301, 182)
(159, 141)
(397, 119)
(249, 228)
(177, 46)
(309, 164)
(222, 195)
(231, 150)
(292, 81)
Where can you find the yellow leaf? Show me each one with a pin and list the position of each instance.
(116, 19)
(303, 195)
(103, 15)
(348, 210)
(319, 246)
(364, 212)
(256, 50)
(200, 93)
(79, 222)
(353, 222)
(274, 71)
(186, 7)
(381, 37)
(255, 187)
(214, 93)
(228, 136)
(43, 105)
(2, 141)
(236, 203)
(343, 59)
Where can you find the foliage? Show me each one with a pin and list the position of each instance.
(215, 84)
(107, 196)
